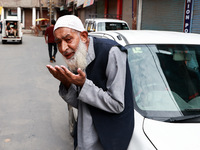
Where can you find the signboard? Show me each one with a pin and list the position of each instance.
(79, 3)
(88, 3)
(188, 15)
(1, 9)
(69, 1)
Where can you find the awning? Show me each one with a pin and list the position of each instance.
(42, 19)
(85, 3)
(69, 1)
(88, 3)
(80, 2)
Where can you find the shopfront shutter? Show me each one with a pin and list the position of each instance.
(196, 17)
(163, 15)
(90, 11)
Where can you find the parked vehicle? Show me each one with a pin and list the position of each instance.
(103, 24)
(166, 85)
(0, 27)
(11, 30)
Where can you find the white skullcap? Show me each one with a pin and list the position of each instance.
(69, 21)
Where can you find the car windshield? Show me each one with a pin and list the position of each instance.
(165, 79)
(105, 26)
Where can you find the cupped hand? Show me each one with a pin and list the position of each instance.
(66, 76)
(78, 79)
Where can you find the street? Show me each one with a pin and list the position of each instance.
(32, 114)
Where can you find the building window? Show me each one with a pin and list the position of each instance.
(12, 12)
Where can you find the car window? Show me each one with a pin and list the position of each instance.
(94, 27)
(91, 26)
(105, 26)
(165, 79)
(181, 69)
(116, 26)
(85, 24)
(101, 26)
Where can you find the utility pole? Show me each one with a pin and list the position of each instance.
(41, 14)
(50, 4)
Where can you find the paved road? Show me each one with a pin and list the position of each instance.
(32, 115)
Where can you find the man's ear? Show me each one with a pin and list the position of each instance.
(84, 36)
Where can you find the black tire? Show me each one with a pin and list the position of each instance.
(4, 41)
(20, 42)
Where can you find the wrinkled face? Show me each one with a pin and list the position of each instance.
(67, 41)
(73, 46)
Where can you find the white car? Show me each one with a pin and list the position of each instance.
(166, 85)
(103, 24)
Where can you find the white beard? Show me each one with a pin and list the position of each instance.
(79, 59)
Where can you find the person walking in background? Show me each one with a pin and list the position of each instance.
(49, 38)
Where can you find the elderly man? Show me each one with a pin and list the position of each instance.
(98, 83)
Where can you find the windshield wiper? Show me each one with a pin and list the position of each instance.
(182, 118)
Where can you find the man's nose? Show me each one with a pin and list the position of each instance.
(64, 46)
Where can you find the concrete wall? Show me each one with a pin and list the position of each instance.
(100, 8)
(28, 3)
(81, 15)
(84, 13)
(21, 3)
(127, 12)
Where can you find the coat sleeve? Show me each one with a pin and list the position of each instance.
(70, 95)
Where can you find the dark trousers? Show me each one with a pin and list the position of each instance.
(50, 46)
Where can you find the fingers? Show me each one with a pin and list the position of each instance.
(59, 69)
(66, 76)
(51, 68)
(67, 72)
(60, 72)
(70, 74)
(53, 71)
(56, 69)
(80, 72)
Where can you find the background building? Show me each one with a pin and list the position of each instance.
(28, 11)
(118, 9)
(169, 15)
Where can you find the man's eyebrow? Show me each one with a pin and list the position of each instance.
(57, 39)
(65, 36)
